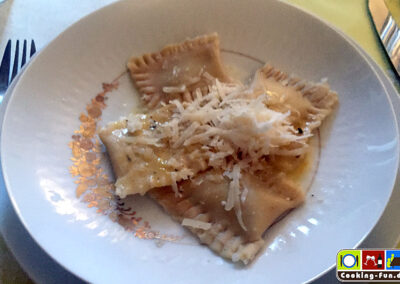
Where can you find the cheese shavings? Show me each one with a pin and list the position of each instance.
(196, 224)
(228, 127)
(227, 121)
(233, 200)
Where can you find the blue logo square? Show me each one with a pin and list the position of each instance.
(393, 259)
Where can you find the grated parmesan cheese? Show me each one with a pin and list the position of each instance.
(196, 224)
(230, 127)
(234, 193)
(174, 89)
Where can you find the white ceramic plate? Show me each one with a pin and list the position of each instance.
(356, 172)
(42, 269)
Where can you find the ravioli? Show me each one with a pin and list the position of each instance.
(135, 168)
(142, 165)
(266, 200)
(309, 103)
(213, 151)
(177, 70)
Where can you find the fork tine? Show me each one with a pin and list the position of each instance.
(15, 64)
(33, 48)
(23, 54)
(5, 67)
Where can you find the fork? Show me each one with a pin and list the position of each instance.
(7, 74)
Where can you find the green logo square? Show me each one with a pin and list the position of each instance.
(348, 260)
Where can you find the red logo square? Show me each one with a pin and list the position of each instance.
(373, 259)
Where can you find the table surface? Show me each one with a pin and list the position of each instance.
(43, 20)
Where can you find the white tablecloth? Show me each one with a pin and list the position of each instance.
(41, 20)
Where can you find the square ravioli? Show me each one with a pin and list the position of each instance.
(217, 155)
(177, 69)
